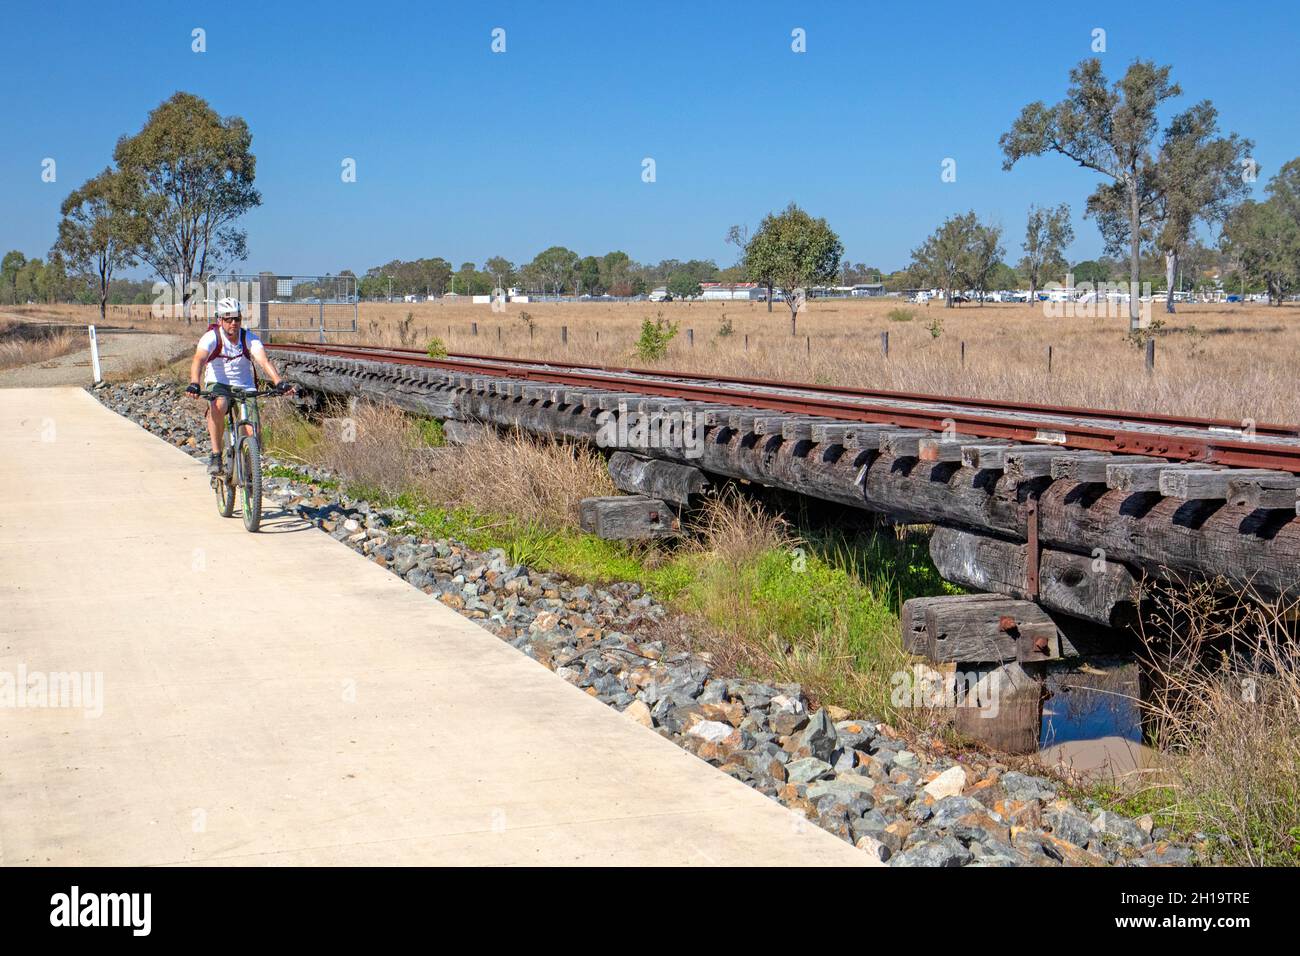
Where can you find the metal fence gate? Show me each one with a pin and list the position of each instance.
(290, 305)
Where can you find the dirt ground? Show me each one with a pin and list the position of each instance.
(122, 352)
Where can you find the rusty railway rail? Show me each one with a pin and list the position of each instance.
(1178, 438)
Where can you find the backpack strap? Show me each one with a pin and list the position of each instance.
(216, 343)
(247, 353)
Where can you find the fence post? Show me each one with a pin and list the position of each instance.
(94, 357)
(564, 334)
(473, 328)
(1049, 360)
(264, 292)
(963, 353)
(746, 341)
(808, 344)
(690, 337)
(1151, 355)
(884, 344)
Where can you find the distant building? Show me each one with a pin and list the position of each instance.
(731, 291)
(867, 289)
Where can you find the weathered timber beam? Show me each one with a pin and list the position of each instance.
(916, 639)
(1276, 491)
(1027, 465)
(1090, 467)
(1208, 483)
(656, 478)
(627, 517)
(1142, 477)
(948, 448)
(992, 457)
(1093, 589)
(984, 632)
(904, 442)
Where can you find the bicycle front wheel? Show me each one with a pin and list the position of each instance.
(250, 460)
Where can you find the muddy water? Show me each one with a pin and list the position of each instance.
(1092, 722)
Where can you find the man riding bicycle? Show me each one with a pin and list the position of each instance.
(224, 358)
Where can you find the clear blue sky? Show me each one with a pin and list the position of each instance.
(465, 154)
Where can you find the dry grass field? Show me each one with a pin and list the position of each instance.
(1231, 361)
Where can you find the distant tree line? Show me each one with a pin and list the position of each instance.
(173, 196)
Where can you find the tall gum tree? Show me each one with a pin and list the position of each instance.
(1198, 177)
(100, 232)
(192, 174)
(1108, 129)
(1047, 233)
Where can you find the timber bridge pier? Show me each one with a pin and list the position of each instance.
(1055, 514)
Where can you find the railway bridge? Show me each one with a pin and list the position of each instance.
(1056, 514)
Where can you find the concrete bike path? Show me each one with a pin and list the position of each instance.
(277, 699)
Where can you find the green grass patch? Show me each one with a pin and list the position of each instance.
(428, 431)
(291, 437)
(824, 614)
(297, 474)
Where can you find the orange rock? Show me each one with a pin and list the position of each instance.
(1073, 855)
(732, 713)
(986, 791)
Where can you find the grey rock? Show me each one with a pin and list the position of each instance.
(950, 809)
(1119, 828)
(945, 852)
(1070, 825)
(1021, 786)
(806, 770)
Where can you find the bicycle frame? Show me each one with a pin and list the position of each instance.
(246, 403)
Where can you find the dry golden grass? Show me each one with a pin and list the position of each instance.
(1230, 361)
(529, 479)
(1226, 712)
(23, 344)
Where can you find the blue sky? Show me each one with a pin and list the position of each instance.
(465, 154)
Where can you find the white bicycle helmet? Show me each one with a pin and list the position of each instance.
(227, 307)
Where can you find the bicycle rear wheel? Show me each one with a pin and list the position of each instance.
(250, 460)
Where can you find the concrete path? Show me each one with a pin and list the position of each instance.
(277, 699)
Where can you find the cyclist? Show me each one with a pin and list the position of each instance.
(224, 358)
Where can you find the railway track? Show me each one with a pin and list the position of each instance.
(1213, 442)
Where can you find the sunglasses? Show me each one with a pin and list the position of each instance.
(231, 318)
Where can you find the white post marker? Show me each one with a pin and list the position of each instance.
(94, 357)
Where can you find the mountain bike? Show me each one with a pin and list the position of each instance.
(241, 458)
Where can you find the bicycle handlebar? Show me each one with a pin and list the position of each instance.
(244, 393)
